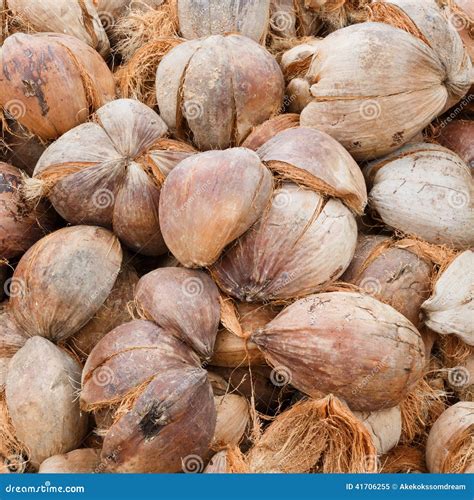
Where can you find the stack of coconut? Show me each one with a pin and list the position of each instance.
(237, 236)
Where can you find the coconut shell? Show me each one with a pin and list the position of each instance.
(22, 151)
(76, 18)
(313, 159)
(211, 199)
(450, 308)
(42, 402)
(112, 313)
(376, 355)
(384, 426)
(301, 244)
(233, 418)
(82, 461)
(268, 129)
(232, 346)
(21, 224)
(63, 280)
(211, 17)
(393, 275)
(314, 436)
(449, 447)
(31, 67)
(166, 414)
(216, 89)
(109, 172)
(425, 190)
(353, 101)
(458, 136)
(183, 302)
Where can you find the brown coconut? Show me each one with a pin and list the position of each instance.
(374, 353)
(82, 461)
(393, 274)
(233, 347)
(77, 18)
(314, 436)
(31, 67)
(211, 199)
(425, 190)
(63, 280)
(307, 238)
(42, 400)
(161, 399)
(458, 136)
(249, 91)
(112, 313)
(109, 172)
(450, 445)
(372, 115)
(21, 223)
(22, 150)
(184, 302)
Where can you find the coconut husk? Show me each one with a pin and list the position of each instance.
(337, 14)
(136, 79)
(228, 461)
(13, 454)
(404, 459)
(315, 436)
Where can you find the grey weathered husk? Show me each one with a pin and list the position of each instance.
(41, 394)
(347, 344)
(216, 89)
(63, 280)
(109, 172)
(425, 190)
(211, 199)
(12, 339)
(184, 302)
(159, 398)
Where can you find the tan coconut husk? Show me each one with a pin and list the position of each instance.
(227, 461)
(12, 452)
(404, 459)
(453, 350)
(136, 78)
(315, 436)
(420, 409)
(337, 14)
(141, 27)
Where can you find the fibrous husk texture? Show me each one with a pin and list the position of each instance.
(315, 436)
(29, 93)
(109, 172)
(216, 89)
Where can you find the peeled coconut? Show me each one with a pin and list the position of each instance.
(77, 18)
(249, 91)
(425, 190)
(347, 344)
(21, 223)
(209, 200)
(268, 129)
(314, 436)
(32, 66)
(109, 172)
(184, 302)
(384, 426)
(82, 461)
(161, 401)
(233, 418)
(450, 447)
(396, 273)
(63, 280)
(112, 313)
(458, 136)
(227, 461)
(233, 347)
(450, 308)
(42, 400)
(352, 100)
